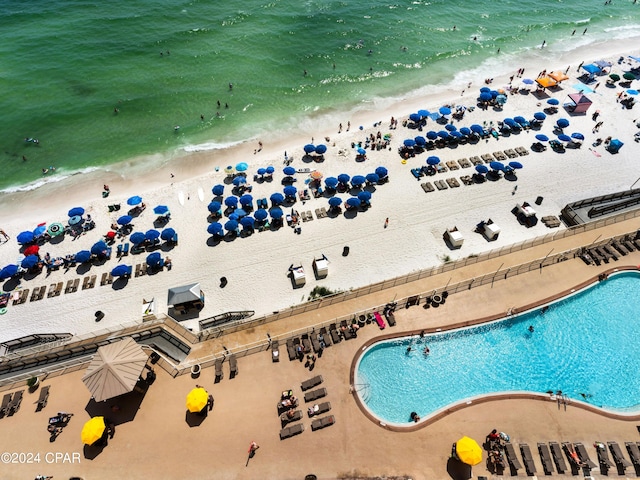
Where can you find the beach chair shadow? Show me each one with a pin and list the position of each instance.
(458, 470)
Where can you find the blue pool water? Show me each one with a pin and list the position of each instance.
(586, 345)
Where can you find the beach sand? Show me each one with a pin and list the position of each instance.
(257, 266)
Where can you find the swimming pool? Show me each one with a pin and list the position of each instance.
(586, 345)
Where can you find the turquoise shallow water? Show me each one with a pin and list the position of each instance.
(586, 345)
(66, 65)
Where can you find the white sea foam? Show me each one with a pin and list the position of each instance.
(207, 146)
(59, 176)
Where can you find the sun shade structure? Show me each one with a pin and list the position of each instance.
(115, 369)
(93, 430)
(468, 451)
(559, 76)
(185, 294)
(578, 103)
(546, 82)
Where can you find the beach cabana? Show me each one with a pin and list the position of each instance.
(454, 237)
(115, 369)
(321, 267)
(186, 296)
(298, 276)
(559, 76)
(577, 103)
(546, 82)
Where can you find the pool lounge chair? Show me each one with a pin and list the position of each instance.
(14, 406)
(603, 457)
(545, 458)
(43, 398)
(511, 457)
(322, 422)
(291, 431)
(233, 366)
(584, 456)
(219, 372)
(379, 320)
(529, 465)
(314, 395)
(558, 458)
(346, 332)
(6, 401)
(285, 419)
(618, 457)
(306, 343)
(634, 452)
(335, 334)
(315, 343)
(312, 382)
(326, 336)
(275, 351)
(324, 407)
(390, 316)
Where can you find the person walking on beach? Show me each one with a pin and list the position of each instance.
(386, 222)
(4, 234)
(580, 66)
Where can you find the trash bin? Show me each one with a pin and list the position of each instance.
(539, 200)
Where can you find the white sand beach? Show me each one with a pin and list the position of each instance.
(256, 266)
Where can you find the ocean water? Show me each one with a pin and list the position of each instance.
(65, 66)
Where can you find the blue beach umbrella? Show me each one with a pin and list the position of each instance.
(592, 69)
(29, 261)
(497, 165)
(364, 196)
(481, 169)
(344, 178)
(450, 127)
(466, 131)
(242, 167)
(562, 123)
(25, 237)
(485, 96)
(270, 169)
(125, 220)
(8, 272)
(135, 200)
(231, 202)
(564, 138)
(477, 128)
(161, 210)
(494, 93)
(215, 228)
(98, 248)
(433, 160)
(542, 138)
(415, 117)
(443, 134)
(137, 238)
(237, 181)
(424, 113)
(577, 136)
(320, 149)
(261, 214)
(83, 256)
(409, 142)
(154, 259)
(234, 216)
(152, 234)
(631, 91)
(335, 201)
(381, 172)
(515, 165)
(456, 134)
(276, 213)
(246, 200)
(509, 121)
(501, 99)
(331, 182)
(353, 202)
(290, 191)
(214, 207)
(247, 222)
(358, 180)
(218, 190)
(484, 89)
(553, 101)
(361, 151)
(520, 119)
(539, 116)
(167, 234)
(289, 171)
(431, 135)
(75, 211)
(276, 198)
(372, 178)
(39, 230)
(309, 148)
(444, 111)
(420, 140)
(121, 271)
(527, 81)
(262, 171)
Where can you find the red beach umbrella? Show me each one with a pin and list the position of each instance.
(111, 234)
(32, 250)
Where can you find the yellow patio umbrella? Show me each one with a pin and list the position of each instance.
(468, 451)
(197, 399)
(93, 430)
(316, 175)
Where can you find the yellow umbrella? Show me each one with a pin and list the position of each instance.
(316, 175)
(468, 451)
(197, 399)
(93, 430)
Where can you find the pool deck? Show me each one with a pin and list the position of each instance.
(154, 440)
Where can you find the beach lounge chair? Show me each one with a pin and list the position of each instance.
(86, 283)
(603, 457)
(427, 187)
(285, 419)
(379, 320)
(345, 330)
(233, 366)
(453, 182)
(322, 422)
(314, 395)
(452, 165)
(14, 406)
(275, 351)
(618, 457)
(584, 456)
(634, 452)
(558, 458)
(291, 431)
(52, 289)
(125, 249)
(522, 151)
(69, 286)
(464, 163)
(291, 349)
(335, 334)
(43, 398)
(315, 343)
(24, 295)
(106, 279)
(219, 372)
(545, 458)
(306, 343)
(6, 401)
(511, 456)
(324, 407)
(326, 336)
(476, 160)
(487, 157)
(529, 465)
(312, 382)
(511, 153)
(440, 185)
(41, 292)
